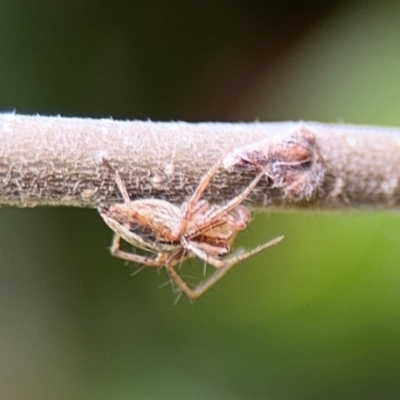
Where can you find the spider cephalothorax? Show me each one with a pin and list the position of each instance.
(196, 228)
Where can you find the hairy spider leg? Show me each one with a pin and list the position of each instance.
(189, 207)
(122, 188)
(162, 260)
(223, 266)
(116, 251)
(220, 211)
(230, 261)
(119, 182)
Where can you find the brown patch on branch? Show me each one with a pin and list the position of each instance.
(292, 162)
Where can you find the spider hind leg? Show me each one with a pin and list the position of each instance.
(223, 267)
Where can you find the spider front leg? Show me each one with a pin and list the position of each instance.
(230, 261)
(216, 213)
(189, 208)
(223, 267)
(233, 203)
(116, 251)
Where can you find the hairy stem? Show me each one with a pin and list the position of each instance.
(60, 162)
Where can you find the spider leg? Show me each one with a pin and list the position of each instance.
(182, 285)
(214, 217)
(122, 189)
(220, 211)
(223, 267)
(120, 183)
(230, 261)
(170, 265)
(189, 207)
(195, 293)
(136, 258)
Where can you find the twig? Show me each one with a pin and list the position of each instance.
(59, 161)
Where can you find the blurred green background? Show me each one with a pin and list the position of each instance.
(317, 317)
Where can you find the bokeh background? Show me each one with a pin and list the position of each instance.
(317, 317)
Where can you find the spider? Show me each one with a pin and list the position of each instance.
(195, 229)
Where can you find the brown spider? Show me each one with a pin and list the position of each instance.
(197, 228)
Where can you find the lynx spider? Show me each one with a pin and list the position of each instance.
(195, 229)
